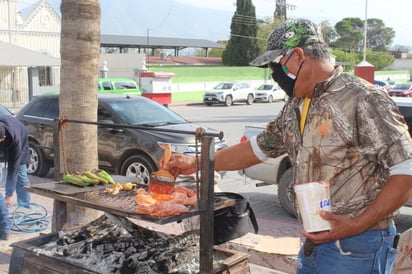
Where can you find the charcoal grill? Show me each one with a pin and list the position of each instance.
(121, 204)
(95, 199)
(27, 257)
(112, 244)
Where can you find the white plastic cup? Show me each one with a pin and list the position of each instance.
(313, 197)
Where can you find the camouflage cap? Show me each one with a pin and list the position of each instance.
(288, 35)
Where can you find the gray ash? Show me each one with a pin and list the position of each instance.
(112, 244)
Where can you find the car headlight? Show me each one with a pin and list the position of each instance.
(184, 148)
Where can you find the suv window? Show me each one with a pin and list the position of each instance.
(38, 108)
(125, 85)
(245, 85)
(53, 110)
(107, 85)
(47, 108)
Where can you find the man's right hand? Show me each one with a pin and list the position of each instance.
(180, 164)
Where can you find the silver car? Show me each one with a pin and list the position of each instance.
(270, 92)
(228, 93)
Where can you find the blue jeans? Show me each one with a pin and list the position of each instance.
(23, 196)
(370, 252)
(5, 224)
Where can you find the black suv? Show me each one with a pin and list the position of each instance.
(125, 151)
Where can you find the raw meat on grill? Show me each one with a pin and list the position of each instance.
(163, 205)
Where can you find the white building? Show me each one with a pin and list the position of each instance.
(30, 72)
(36, 29)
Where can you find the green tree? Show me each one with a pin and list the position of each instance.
(347, 59)
(378, 36)
(329, 33)
(265, 27)
(217, 52)
(350, 34)
(380, 60)
(242, 46)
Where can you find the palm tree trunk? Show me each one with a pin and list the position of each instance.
(80, 50)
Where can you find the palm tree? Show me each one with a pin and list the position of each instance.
(80, 50)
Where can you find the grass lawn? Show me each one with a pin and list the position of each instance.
(193, 74)
(190, 74)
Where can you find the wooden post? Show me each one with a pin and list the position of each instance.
(59, 218)
(206, 204)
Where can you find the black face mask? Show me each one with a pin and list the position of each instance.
(284, 81)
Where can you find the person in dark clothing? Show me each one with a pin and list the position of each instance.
(14, 145)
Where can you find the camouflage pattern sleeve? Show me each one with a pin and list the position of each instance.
(270, 140)
(383, 130)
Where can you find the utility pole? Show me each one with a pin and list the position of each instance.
(280, 11)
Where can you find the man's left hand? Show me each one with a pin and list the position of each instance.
(9, 201)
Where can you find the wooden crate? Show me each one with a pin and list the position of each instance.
(230, 261)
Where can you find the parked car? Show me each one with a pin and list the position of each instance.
(401, 90)
(5, 111)
(118, 85)
(123, 151)
(279, 170)
(228, 93)
(269, 92)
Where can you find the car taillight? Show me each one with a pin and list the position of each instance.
(243, 139)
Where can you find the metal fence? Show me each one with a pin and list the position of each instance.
(13, 86)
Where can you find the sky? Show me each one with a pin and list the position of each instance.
(394, 13)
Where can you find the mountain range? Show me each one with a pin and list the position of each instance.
(161, 18)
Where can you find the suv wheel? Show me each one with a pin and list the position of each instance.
(270, 99)
(286, 194)
(138, 166)
(38, 164)
(228, 101)
(249, 99)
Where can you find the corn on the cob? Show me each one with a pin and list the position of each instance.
(88, 180)
(95, 177)
(103, 174)
(74, 179)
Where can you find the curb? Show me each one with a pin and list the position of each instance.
(180, 104)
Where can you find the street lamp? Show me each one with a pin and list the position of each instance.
(365, 30)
